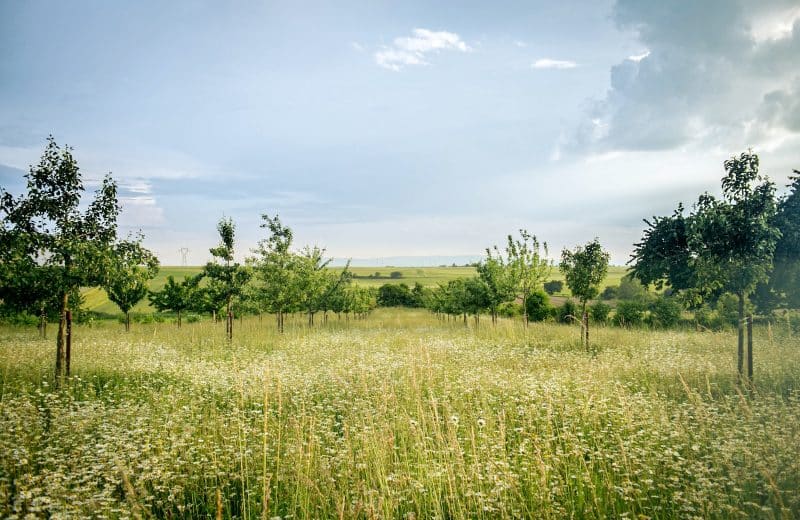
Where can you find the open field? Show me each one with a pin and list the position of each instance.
(398, 416)
(97, 300)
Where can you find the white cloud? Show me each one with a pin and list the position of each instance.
(411, 50)
(639, 57)
(357, 46)
(548, 63)
(521, 44)
(774, 25)
(726, 85)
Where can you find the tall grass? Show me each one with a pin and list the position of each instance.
(398, 416)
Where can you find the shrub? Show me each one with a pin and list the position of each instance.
(509, 310)
(629, 313)
(704, 316)
(609, 293)
(538, 304)
(568, 312)
(553, 286)
(631, 289)
(599, 312)
(665, 312)
(395, 295)
(728, 310)
(395, 275)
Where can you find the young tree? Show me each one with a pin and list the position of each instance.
(528, 266)
(733, 239)
(584, 269)
(176, 296)
(662, 257)
(227, 278)
(498, 280)
(781, 288)
(313, 281)
(725, 245)
(133, 266)
(275, 269)
(47, 228)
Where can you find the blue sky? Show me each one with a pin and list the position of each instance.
(401, 128)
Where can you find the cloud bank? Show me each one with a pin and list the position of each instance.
(716, 74)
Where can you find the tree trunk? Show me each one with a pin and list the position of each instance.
(179, 319)
(43, 324)
(69, 340)
(740, 347)
(228, 319)
(586, 328)
(525, 309)
(750, 348)
(61, 337)
(127, 321)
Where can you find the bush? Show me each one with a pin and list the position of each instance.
(728, 310)
(631, 289)
(509, 310)
(599, 312)
(22, 319)
(395, 275)
(609, 293)
(704, 316)
(538, 304)
(665, 312)
(568, 312)
(629, 313)
(553, 286)
(395, 295)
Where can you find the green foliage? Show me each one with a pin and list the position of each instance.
(509, 310)
(610, 293)
(226, 278)
(599, 312)
(539, 308)
(553, 286)
(51, 242)
(584, 270)
(395, 275)
(629, 313)
(526, 265)
(631, 289)
(395, 295)
(497, 278)
(176, 296)
(665, 312)
(568, 312)
(132, 268)
(662, 257)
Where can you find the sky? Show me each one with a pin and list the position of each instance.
(385, 129)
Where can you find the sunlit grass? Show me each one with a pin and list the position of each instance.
(398, 416)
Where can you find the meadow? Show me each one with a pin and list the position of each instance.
(401, 415)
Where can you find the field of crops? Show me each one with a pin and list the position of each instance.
(398, 416)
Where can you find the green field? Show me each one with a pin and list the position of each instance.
(95, 299)
(398, 416)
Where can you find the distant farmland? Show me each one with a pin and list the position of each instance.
(95, 299)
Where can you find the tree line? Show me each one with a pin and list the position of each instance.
(744, 245)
